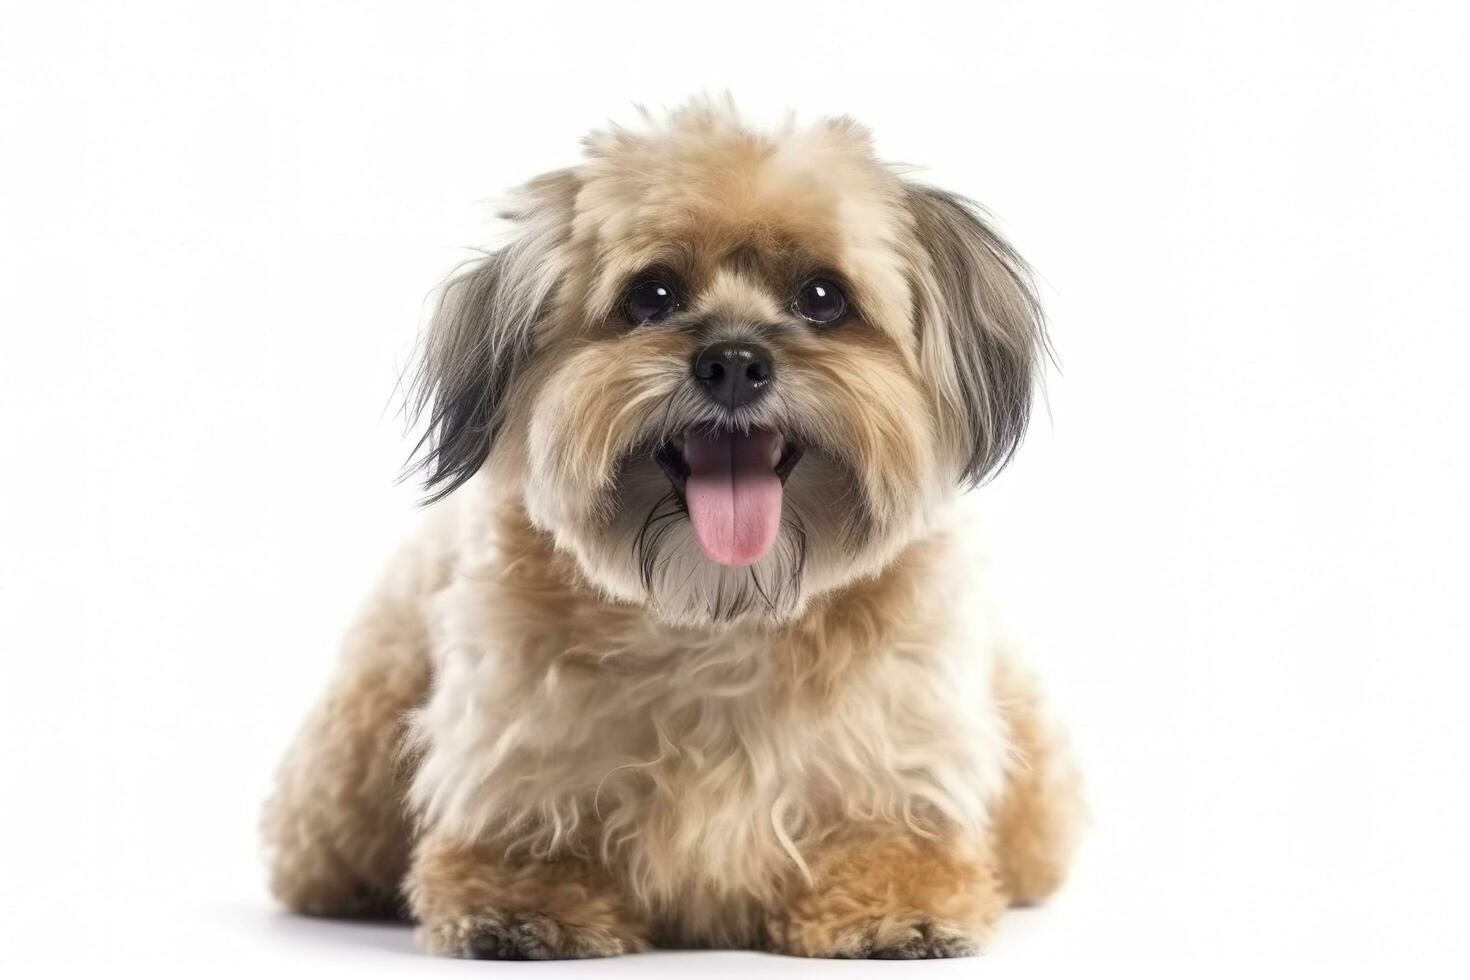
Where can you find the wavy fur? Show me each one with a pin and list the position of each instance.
(558, 729)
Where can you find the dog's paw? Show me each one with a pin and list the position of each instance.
(878, 938)
(922, 941)
(523, 936)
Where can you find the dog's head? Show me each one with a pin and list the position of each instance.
(731, 370)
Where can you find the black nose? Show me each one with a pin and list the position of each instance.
(735, 374)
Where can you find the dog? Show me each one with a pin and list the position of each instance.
(684, 652)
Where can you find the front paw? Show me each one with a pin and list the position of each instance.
(473, 903)
(888, 937)
(923, 939)
(523, 935)
(884, 893)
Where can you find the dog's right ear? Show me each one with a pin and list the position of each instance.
(483, 335)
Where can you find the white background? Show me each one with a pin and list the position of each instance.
(1238, 541)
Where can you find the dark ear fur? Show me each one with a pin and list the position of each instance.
(482, 336)
(982, 330)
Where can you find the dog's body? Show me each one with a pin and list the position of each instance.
(686, 657)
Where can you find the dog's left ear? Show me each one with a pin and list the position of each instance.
(484, 334)
(982, 333)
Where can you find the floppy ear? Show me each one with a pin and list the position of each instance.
(982, 333)
(483, 335)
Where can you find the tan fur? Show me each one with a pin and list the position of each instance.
(1041, 813)
(477, 902)
(337, 827)
(882, 893)
(588, 747)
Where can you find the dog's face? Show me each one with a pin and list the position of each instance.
(729, 371)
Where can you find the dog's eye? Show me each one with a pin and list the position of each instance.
(820, 301)
(649, 300)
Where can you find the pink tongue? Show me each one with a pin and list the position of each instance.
(734, 495)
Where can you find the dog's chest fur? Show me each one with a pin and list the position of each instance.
(698, 762)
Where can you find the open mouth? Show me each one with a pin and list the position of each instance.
(732, 482)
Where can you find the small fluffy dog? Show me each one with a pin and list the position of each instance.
(685, 657)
